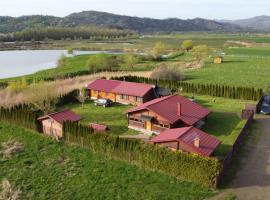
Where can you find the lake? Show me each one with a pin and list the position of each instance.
(18, 63)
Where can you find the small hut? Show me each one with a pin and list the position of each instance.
(218, 59)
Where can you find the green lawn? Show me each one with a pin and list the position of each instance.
(224, 122)
(50, 170)
(113, 116)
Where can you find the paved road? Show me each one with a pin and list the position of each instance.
(252, 181)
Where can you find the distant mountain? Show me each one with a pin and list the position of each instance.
(261, 23)
(142, 25)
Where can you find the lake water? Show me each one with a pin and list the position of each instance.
(17, 63)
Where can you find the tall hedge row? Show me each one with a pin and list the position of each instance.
(20, 116)
(245, 93)
(185, 166)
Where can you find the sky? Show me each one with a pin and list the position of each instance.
(185, 9)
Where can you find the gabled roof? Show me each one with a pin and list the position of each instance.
(187, 135)
(60, 117)
(166, 107)
(120, 87)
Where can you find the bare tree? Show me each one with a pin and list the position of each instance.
(42, 97)
(166, 72)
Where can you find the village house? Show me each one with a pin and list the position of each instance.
(166, 113)
(52, 124)
(121, 91)
(188, 139)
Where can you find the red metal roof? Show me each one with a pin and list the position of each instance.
(166, 107)
(103, 85)
(98, 127)
(120, 87)
(187, 135)
(66, 115)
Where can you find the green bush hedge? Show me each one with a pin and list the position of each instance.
(19, 115)
(184, 166)
(204, 89)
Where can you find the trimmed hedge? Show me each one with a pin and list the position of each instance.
(188, 167)
(19, 115)
(232, 92)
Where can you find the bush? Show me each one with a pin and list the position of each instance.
(102, 62)
(166, 72)
(188, 167)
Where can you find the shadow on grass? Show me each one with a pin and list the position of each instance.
(221, 123)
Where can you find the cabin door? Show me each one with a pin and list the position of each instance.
(148, 125)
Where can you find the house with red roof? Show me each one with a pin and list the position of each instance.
(168, 112)
(52, 124)
(121, 91)
(188, 139)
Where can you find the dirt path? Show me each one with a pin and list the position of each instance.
(252, 181)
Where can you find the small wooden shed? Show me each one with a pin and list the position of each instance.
(218, 59)
(52, 124)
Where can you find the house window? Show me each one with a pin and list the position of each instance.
(107, 94)
(121, 96)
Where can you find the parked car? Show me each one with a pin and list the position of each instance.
(265, 108)
(103, 102)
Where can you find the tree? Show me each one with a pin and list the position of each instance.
(201, 52)
(166, 72)
(70, 50)
(102, 62)
(17, 86)
(82, 96)
(187, 45)
(158, 51)
(42, 97)
(131, 60)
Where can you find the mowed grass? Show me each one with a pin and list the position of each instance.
(225, 120)
(114, 117)
(222, 122)
(50, 170)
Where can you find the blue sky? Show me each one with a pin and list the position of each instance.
(211, 9)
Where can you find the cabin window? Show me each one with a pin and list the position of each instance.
(121, 96)
(107, 94)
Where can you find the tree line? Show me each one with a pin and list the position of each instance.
(64, 33)
(233, 92)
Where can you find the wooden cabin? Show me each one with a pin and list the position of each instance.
(164, 113)
(121, 91)
(52, 124)
(188, 139)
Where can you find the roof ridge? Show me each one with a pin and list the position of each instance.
(162, 99)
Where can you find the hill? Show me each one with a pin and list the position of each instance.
(261, 23)
(142, 25)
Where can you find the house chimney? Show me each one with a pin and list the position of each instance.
(178, 109)
(197, 142)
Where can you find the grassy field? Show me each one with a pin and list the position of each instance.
(237, 70)
(46, 169)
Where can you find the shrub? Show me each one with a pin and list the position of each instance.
(185, 166)
(204, 89)
(187, 45)
(166, 72)
(102, 62)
